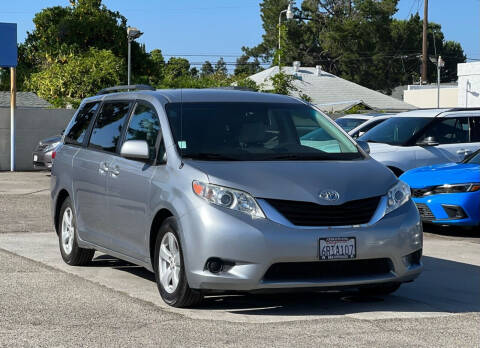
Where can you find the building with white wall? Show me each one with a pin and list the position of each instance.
(469, 84)
(426, 96)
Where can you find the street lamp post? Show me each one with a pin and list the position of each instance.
(289, 15)
(440, 65)
(132, 35)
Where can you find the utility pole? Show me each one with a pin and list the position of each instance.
(13, 105)
(424, 44)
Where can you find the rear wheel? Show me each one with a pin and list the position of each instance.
(380, 289)
(72, 254)
(170, 270)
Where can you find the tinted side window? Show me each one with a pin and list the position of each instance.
(475, 134)
(108, 126)
(75, 133)
(449, 131)
(144, 125)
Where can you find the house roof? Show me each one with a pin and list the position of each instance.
(24, 100)
(331, 93)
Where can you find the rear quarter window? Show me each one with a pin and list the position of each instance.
(77, 129)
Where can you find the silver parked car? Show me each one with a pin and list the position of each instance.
(42, 155)
(215, 190)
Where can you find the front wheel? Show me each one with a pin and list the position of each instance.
(72, 254)
(170, 270)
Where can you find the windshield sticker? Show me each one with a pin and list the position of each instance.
(182, 144)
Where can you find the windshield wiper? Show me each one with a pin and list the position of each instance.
(296, 157)
(210, 156)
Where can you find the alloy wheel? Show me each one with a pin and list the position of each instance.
(169, 262)
(68, 231)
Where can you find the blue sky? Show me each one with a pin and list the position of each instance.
(221, 27)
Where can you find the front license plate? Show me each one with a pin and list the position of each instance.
(35, 158)
(337, 248)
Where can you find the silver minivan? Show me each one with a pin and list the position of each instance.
(218, 190)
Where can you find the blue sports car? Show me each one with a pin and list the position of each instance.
(448, 194)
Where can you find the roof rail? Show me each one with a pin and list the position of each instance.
(465, 109)
(236, 88)
(126, 88)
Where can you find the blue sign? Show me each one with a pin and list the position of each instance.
(8, 45)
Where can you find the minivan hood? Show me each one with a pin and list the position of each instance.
(301, 180)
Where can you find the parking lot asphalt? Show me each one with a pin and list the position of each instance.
(44, 302)
(24, 202)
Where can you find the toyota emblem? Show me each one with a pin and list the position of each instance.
(329, 195)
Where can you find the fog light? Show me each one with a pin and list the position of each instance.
(214, 265)
(454, 211)
(413, 259)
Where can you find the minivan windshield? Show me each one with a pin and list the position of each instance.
(396, 130)
(256, 132)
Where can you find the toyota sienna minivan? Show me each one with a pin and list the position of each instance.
(215, 190)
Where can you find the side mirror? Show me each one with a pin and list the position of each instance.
(428, 141)
(135, 149)
(364, 145)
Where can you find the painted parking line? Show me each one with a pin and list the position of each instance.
(447, 286)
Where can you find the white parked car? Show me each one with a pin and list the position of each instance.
(358, 124)
(425, 137)
(369, 124)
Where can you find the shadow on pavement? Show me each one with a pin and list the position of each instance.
(444, 286)
(453, 231)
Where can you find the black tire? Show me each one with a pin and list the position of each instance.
(380, 289)
(182, 296)
(77, 256)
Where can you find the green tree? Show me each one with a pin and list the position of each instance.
(61, 30)
(177, 67)
(207, 69)
(155, 69)
(452, 54)
(356, 39)
(221, 67)
(65, 31)
(245, 67)
(283, 84)
(77, 77)
(247, 83)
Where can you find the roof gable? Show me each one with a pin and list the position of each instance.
(24, 100)
(328, 89)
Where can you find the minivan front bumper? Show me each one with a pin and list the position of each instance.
(255, 249)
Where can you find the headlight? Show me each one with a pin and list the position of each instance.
(397, 196)
(228, 198)
(457, 188)
(52, 146)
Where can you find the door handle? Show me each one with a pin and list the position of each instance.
(115, 171)
(103, 169)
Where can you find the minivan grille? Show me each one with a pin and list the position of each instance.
(320, 270)
(312, 214)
